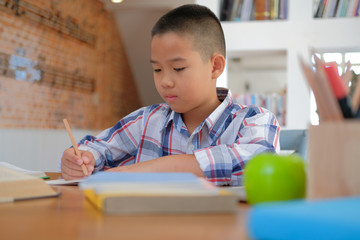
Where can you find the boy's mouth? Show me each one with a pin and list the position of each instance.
(170, 98)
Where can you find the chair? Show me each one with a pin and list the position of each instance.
(296, 140)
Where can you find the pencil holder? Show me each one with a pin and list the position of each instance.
(334, 160)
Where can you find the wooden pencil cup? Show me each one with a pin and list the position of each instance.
(334, 160)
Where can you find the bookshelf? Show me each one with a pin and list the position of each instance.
(295, 37)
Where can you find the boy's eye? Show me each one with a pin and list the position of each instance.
(179, 69)
(157, 70)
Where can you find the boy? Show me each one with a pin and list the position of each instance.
(199, 129)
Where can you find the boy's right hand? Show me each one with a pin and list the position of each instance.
(71, 164)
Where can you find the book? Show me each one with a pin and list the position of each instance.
(15, 186)
(147, 193)
(330, 9)
(274, 9)
(247, 10)
(351, 11)
(236, 10)
(283, 9)
(339, 8)
(225, 10)
(262, 9)
(274, 102)
(357, 9)
(342, 8)
(322, 219)
(320, 9)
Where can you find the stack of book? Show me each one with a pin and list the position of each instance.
(246, 10)
(145, 193)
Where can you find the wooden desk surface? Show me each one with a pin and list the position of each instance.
(71, 216)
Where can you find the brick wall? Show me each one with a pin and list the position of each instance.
(69, 63)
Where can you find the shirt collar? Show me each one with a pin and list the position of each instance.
(212, 120)
(224, 95)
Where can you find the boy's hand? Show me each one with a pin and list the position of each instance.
(71, 164)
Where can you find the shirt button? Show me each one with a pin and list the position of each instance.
(191, 147)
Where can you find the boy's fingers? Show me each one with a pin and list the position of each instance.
(73, 173)
(90, 169)
(66, 164)
(85, 159)
(89, 161)
(88, 158)
(79, 161)
(69, 154)
(72, 169)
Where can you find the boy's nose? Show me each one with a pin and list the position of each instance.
(167, 82)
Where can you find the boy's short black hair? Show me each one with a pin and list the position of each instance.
(197, 21)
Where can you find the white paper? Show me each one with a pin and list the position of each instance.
(62, 181)
(22, 170)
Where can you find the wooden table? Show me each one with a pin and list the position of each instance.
(71, 216)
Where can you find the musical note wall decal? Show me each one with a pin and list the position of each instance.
(50, 18)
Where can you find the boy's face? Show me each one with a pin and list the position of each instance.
(182, 78)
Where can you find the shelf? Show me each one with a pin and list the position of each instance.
(277, 35)
(295, 37)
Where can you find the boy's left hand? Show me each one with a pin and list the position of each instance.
(171, 163)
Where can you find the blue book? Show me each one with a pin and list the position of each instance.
(140, 177)
(104, 181)
(321, 219)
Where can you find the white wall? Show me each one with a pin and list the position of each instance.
(36, 149)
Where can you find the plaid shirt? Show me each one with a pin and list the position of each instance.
(222, 143)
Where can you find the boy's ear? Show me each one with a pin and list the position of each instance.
(218, 64)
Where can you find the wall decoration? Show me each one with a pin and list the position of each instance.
(50, 18)
(46, 75)
(24, 69)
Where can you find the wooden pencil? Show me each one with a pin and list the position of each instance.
(356, 96)
(346, 76)
(77, 152)
(310, 77)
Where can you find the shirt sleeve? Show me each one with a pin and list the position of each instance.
(224, 164)
(117, 145)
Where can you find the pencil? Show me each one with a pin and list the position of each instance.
(77, 152)
(356, 95)
(346, 76)
(329, 96)
(310, 77)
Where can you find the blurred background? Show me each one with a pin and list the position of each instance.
(88, 61)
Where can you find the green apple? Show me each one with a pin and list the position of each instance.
(270, 177)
